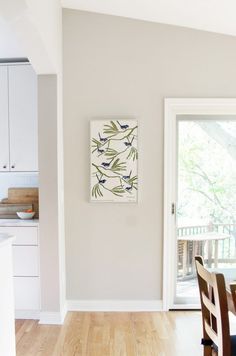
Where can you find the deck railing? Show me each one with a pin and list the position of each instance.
(226, 248)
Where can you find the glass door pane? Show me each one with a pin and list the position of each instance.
(206, 213)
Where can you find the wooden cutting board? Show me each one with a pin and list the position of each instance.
(24, 196)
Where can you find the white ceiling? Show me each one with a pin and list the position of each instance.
(209, 15)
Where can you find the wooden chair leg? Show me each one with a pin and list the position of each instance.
(214, 353)
(207, 351)
(207, 345)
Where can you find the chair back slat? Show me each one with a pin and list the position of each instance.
(205, 274)
(209, 305)
(212, 334)
(214, 307)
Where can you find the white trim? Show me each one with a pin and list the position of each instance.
(186, 306)
(174, 107)
(57, 318)
(53, 318)
(169, 198)
(114, 305)
(27, 314)
(64, 312)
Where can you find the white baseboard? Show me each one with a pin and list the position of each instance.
(27, 314)
(64, 312)
(115, 305)
(53, 318)
(57, 318)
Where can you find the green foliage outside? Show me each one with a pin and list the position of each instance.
(207, 172)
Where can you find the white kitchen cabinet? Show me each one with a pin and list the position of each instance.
(26, 272)
(25, 261)
(4, 128)
(24, 235)
(18, 119)
(26, 290)
(23, 118)
(7, 325)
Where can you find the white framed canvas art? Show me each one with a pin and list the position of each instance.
(114, 160)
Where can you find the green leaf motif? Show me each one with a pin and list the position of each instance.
(118, 166)
(118, 191)
(96, 143)
(110, 129)
(110, 152)
(96, 191)
(133, 180)
(133, 154)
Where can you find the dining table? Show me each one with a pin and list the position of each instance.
(209, 237)
(231, 296)
(230, 285)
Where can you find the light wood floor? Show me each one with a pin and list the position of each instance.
(113, 334)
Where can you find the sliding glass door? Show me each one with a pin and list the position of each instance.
(206, 200)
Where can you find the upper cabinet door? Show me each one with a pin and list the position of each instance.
(23, 118)
(4, 133)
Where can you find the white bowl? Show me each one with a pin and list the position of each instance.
(24, 215)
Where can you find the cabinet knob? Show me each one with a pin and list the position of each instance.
(13, 166)
(4, 166)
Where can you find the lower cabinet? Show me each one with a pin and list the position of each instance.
(25, 261)
(27, 292)
(26, 274)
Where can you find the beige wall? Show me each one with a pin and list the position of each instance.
(48, 199)
(52, 251)
(117, 67)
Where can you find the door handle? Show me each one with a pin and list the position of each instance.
(173, 208)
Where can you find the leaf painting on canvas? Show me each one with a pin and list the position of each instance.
(114, 160)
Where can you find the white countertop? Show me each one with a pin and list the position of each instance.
(6, 239)
(18, 222)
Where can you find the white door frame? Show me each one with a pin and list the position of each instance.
(174, 107)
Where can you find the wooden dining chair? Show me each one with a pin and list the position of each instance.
(215, 318)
